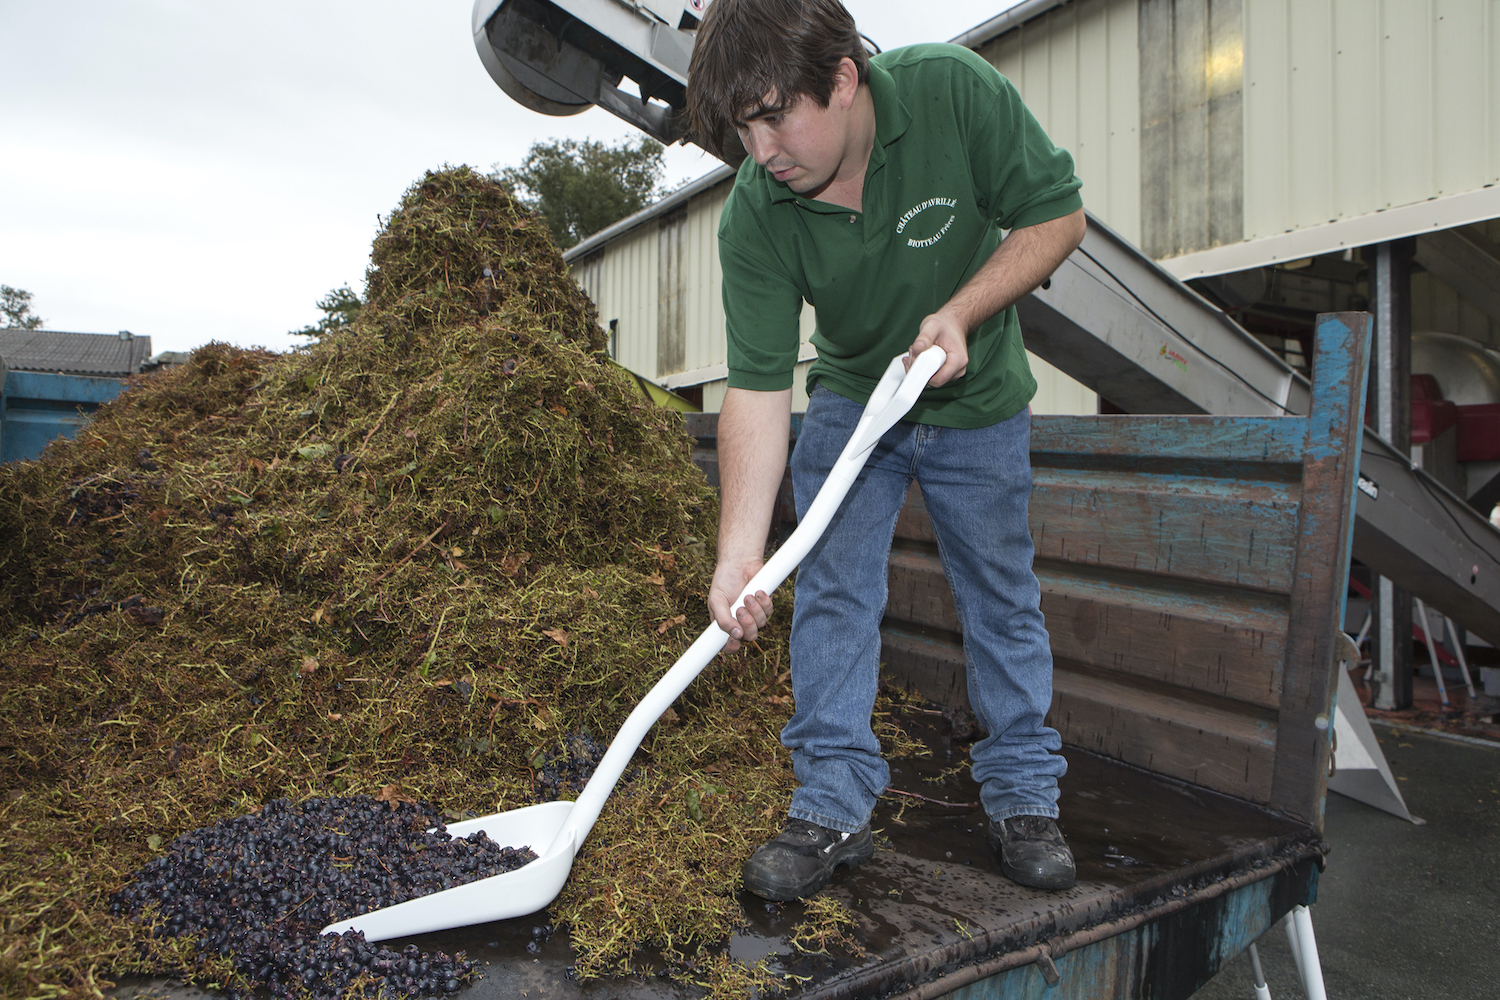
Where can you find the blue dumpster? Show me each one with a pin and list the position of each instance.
(36, 407)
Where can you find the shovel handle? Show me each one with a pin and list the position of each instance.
(892, 398)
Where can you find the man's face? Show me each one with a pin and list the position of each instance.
(801, 144)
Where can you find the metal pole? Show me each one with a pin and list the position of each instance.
(1262, 991)
(1359, 641)
(1390, 388)
(1307, 945)
(1437, 666)
(1463, 661)
(1289, 924)
(1386, 673)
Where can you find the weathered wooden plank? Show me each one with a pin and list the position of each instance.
(704, 428)
(928, 662)
(1221, 531)
(1329, 468)
(1218, 642)
(707, 461)
(1203, 744)
(914, 523)
(1273, 440)
(1217, 531)
(919, 591)
(1212, 640)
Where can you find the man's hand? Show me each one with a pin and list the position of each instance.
(746, 621)
(1017, 266)
(948, 332)
(753, 432)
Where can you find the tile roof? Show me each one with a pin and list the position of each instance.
(72, 353)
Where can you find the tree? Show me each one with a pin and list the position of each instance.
(580, 187)
(15, 305)
(340, 308)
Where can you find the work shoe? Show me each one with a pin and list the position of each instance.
(1031, 850)
(802, 858)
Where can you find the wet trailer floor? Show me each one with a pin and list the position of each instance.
(934, 909)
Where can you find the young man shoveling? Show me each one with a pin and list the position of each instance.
(877, 189)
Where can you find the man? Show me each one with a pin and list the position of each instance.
(876, 189)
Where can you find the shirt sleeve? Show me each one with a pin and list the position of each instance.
(1020, 176)
(762, 306)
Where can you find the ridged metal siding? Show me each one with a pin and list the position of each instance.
(1078, 69)
(1192, 125)
(625, 280)
(622, 281)
(1355, 106)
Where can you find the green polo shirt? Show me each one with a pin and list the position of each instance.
(957, 158)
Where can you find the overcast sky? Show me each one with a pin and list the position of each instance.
(202, 170)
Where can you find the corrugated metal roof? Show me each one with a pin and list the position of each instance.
(73, 353)
(1005, 21)
(719, 175)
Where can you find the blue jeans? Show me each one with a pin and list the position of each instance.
(976, 484)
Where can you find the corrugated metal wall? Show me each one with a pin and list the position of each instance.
(622, 281)
(1355, 106)
(1192, 125)
(1078, 69)
(705, 313)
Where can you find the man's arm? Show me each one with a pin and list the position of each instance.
(1025, 259)
(753, 431)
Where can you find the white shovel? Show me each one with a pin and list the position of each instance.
(562, 826)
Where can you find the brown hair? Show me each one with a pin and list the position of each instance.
(748, 50)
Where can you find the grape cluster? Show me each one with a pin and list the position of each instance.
(257, 889)
(565, 769)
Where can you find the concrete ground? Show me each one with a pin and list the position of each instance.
(1404, 912)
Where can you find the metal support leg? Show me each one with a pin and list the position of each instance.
(1390, 399)
(1359, 642)
(1262, 991)
(1289, 924)
(1437, 665)
(1364, 630)
(1299, 934)
(1458, 651)
(1390, 645)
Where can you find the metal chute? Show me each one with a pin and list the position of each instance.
(560, 57)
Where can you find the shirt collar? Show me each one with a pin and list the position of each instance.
(891, 122)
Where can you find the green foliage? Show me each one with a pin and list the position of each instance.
(582, 187)
(15, 306)
(340, 308)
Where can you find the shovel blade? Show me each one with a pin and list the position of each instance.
(499, 897)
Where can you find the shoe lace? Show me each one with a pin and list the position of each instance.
(1032, 827)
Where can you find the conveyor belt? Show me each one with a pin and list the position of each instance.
(1116, 321)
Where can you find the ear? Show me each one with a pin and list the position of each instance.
(845, 83)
